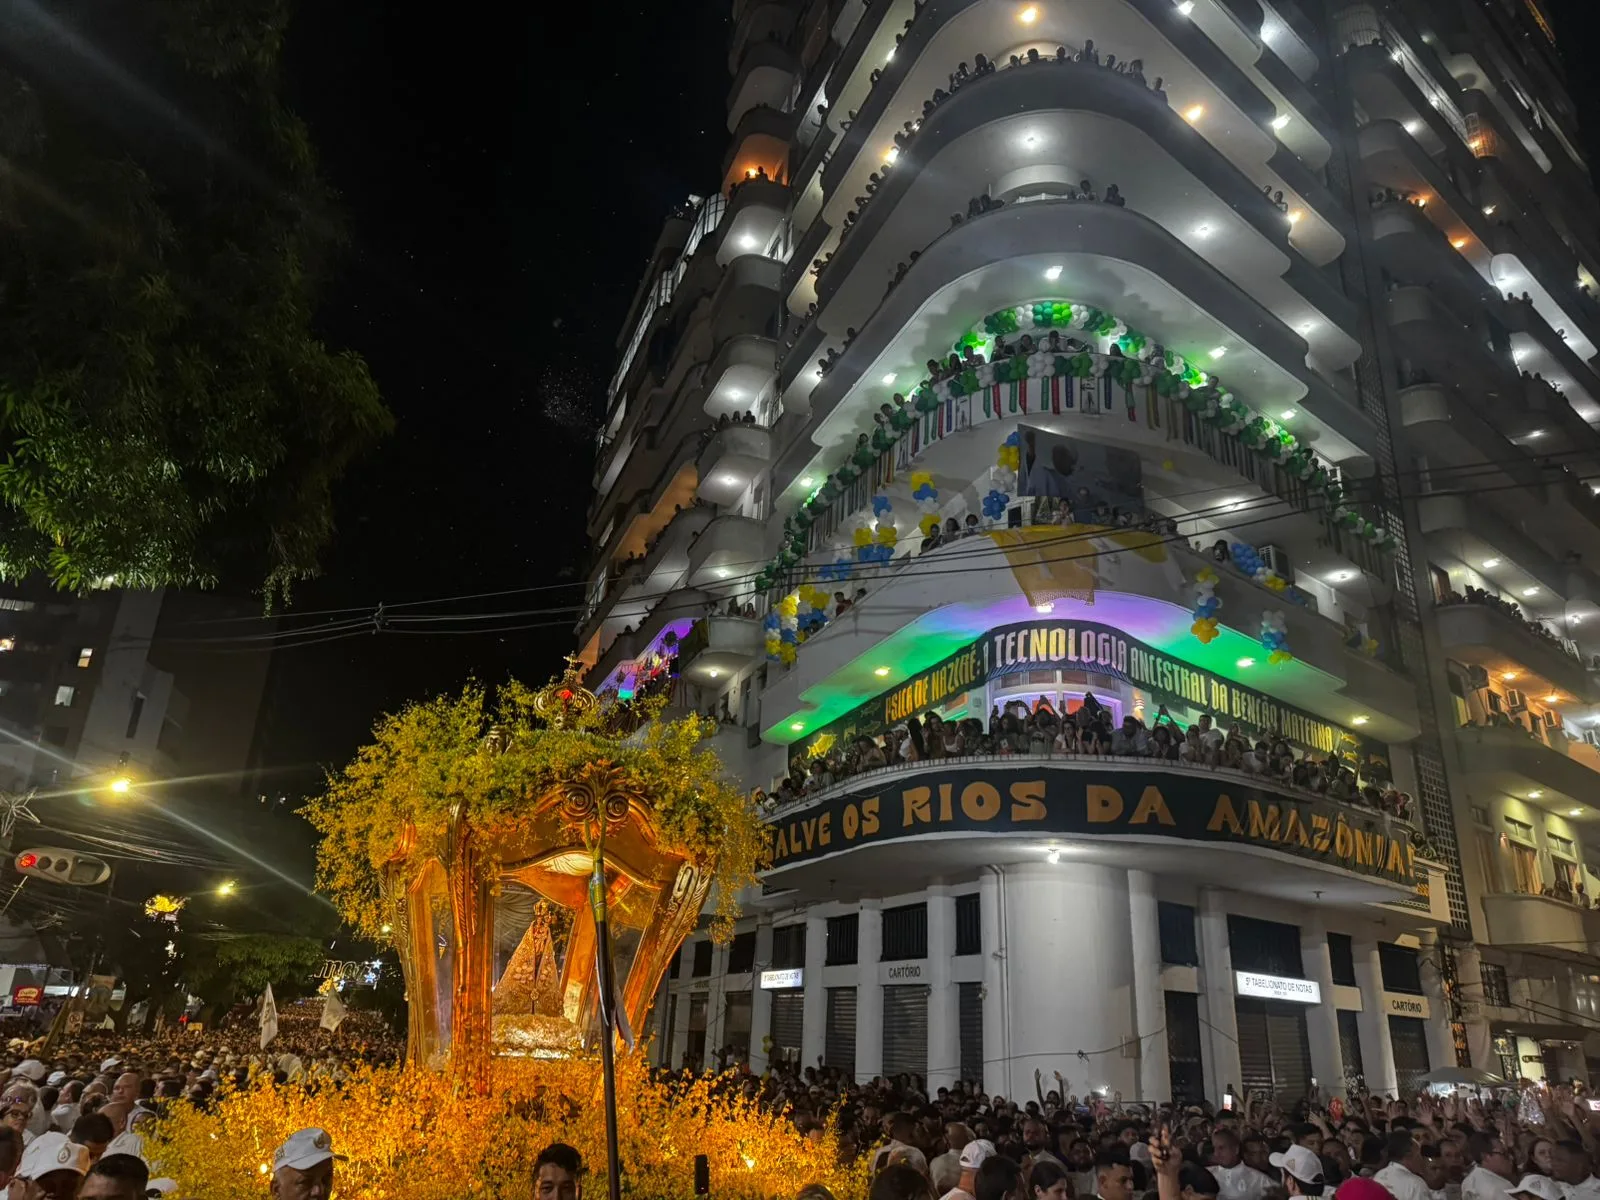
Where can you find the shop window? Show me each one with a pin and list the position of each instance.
(1342, 958)
(1269, 947)
(1350, 1050)
(905, 932)
(1177, 934)
(1401, 968)
(842, 935)
(789, 947)
(969, 924)
(1496, 988)
(742, 953)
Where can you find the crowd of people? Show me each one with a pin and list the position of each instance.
(957, 1143)
(1038, 730)
(1509, 608)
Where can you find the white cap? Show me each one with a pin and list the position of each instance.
(30, 1069)
(161, 1187)
(1300, 1162)
(110, 1064)
(1541, 1186)
(975, 1152)
(56, 1078)
(52, 1152)
(304, 1150)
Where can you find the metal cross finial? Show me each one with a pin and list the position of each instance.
(14, 808)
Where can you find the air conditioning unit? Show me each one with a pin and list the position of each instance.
(1477, 678)
(1515, 700)
(1592, 737)
(1278, 559)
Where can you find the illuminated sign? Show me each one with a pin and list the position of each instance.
(26, 995)
(1078, 646)
(779, 980)
(1277, 987)
(1106, 800)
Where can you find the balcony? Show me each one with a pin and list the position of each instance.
(763, 76)
(720, 646)
(893, 825)
(760, 142)
(1515, 761)
(730, 547)
(756, 211)
(672, 615)
(1477, 632)
(730, 460)
(1542, 925)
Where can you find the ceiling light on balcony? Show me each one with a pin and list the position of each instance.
(880, 672)
(1217, 352)
(1052, 856)
(1362, 719)
(721, 572)
(1535, 794)
(892, 153)
(1535, 433)
(748, 243)
(1245, 663)
(727, 480)
(797, 726)
(888, 378)
(1295, 215)
(1202, 232)
(1185, 8)
(1029, 15)
(1508, 676)
(713, 672)
(1394, 56)
(1030, 140)
(1045, 609)
(889, 57)
(1490, 564)
(1553, 698)
(1413, 127)
(1457, 243)
(1288, 414)
(1052, 273)
(1308, 327)
(1194, 112)
(1488, 210)
(1574, 812)
(1530, 591)
(1341, 576)
(1518, 355)
(1280, 122)
(806, 481)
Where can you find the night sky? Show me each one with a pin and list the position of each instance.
(503, 182)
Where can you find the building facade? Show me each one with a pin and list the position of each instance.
(1039, 364)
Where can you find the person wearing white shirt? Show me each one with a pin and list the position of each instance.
(1537, 1187)
(945, 1170)
(1404, 1174)
(973, 1155)
(1574, 1171)
(1235, 1180)
(1492, 1173)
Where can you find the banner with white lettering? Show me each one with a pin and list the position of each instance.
(1085, 800)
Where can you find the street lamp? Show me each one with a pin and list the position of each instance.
(226, 888)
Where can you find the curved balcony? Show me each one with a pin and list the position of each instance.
(1194, 69)
(730, 546)
(665, 625)
(1394, 159)
(1536, 347)
(901, 824)
(637, 583)
(763, 75)
(739, 374)
(757, 209)
(760, 143)
(1563, 307)
(1412, 246)
(1109, 257)
(1446, 342)
(1138, 583)
(720, 646)
(1493, 639)
(1477, 533)
(1386, 92)
(731, 460)
(1542, 925)
(1514, 761)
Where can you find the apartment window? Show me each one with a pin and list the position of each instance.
(64, 695)
(1480, 815)
(842, 935)
(1489, 861)
(969, 924)
(1565, 877)
(905, 932)
(1560, 845)
(85, 656)
(788, 947)
(135, 711)
(701, 967)
(1496, 990)
(742, 953)
(1439, 578)
(1519, 829)
(1176, 926)
(1266, 946)
(1342, 958)
(1400, 968)
(1525, 875)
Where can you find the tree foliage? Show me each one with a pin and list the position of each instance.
(167, 414)
(221, 967)
(434, 757)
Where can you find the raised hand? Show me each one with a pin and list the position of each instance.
(1163, 1157)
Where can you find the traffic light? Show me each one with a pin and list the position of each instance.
(62, 866)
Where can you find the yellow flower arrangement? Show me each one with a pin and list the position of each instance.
(412, 1135)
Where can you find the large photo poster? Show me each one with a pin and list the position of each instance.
(1087, 476)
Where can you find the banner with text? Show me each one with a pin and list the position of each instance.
(1077, 646)
(1091, 802)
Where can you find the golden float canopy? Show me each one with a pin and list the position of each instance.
(473, 835)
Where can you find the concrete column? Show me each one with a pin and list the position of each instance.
(816, 996)
(760, 999)
(1322, 1020)
(717, 1005)
(1149, 1001)
(1219, 1035)
(1377, 1050)
(1441, 1042)
(944, 1032)
(1069, 979)
(869, 993)
(996, 1029)
(680, 1027)
(1474, 1009)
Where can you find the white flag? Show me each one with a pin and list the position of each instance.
(269, 1017)
(333, 1010)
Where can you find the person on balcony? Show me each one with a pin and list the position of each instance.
(1132, 738)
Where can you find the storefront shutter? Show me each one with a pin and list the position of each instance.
(905, 1030)
(1409, 1036)
(1255, 1054)
(1291, 1050)
(970, 1021)
(1355, 1074)
(839, 1035)
(788, 1025)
